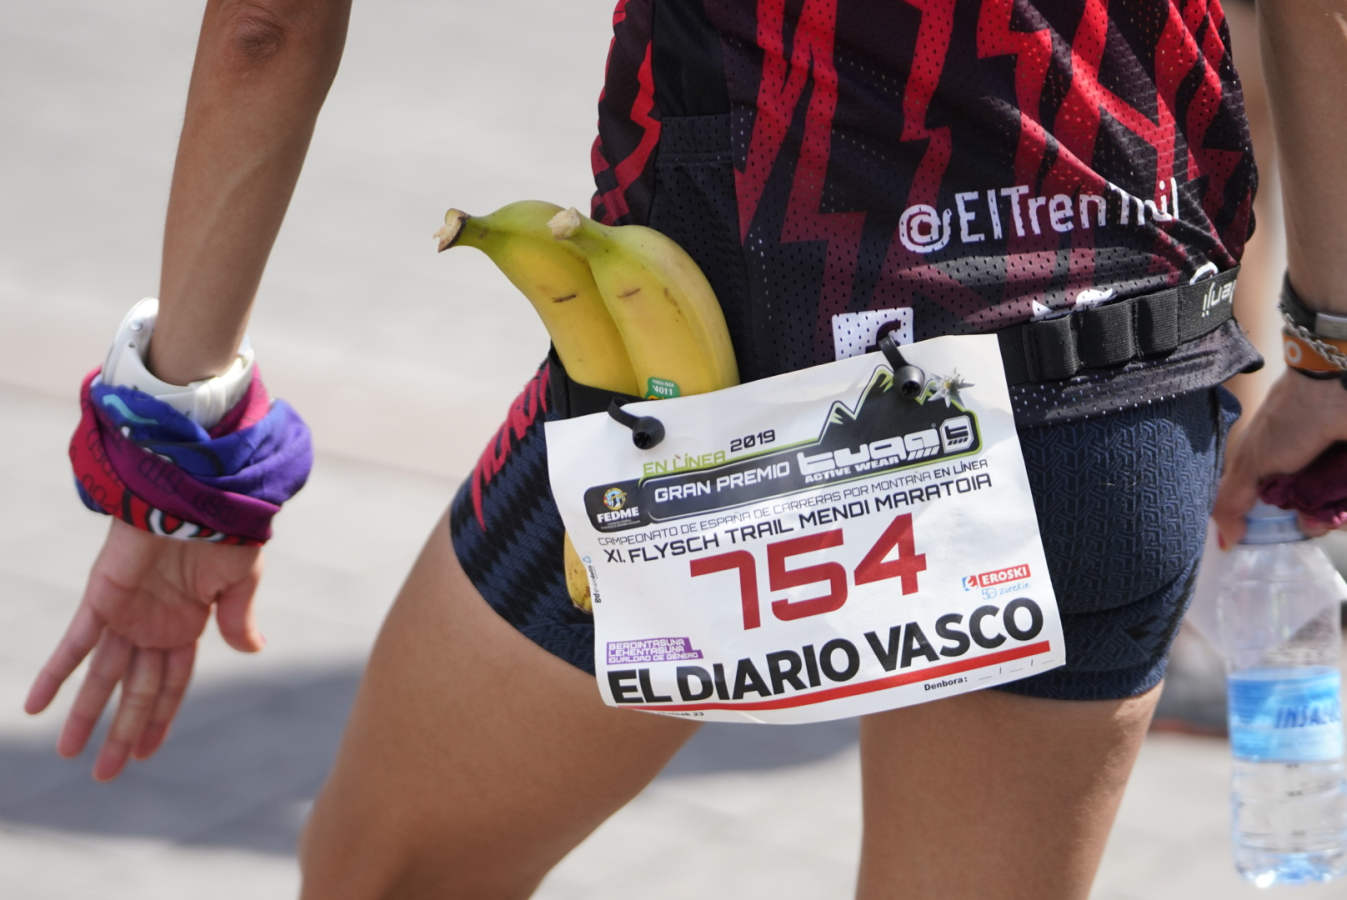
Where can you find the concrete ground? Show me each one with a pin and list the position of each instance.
(402, 362)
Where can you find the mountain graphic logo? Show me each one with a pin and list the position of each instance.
(935, 423)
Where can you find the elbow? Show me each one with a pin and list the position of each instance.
(253, 35)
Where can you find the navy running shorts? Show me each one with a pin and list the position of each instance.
(1122, 502)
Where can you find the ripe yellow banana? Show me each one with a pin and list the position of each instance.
(662, 304)
(577, 577)
(668, 316)
(627, 309)
(556, 280)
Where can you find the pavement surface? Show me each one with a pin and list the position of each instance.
(402, 362)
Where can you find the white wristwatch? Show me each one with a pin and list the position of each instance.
(204, 402)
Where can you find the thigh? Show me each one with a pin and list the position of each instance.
(473, 759)
(994, 796)
(1011, 792)
(1122, 503)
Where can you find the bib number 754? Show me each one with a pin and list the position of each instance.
(874, 566)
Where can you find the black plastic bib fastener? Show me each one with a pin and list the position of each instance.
(909, 379)
(646, 431)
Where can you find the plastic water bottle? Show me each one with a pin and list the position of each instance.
(1280, 630)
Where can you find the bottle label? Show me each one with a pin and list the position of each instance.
(1286, 715)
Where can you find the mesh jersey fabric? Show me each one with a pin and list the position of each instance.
(947, 166)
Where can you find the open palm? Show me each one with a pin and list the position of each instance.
(144, 607)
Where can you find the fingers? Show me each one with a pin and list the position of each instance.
(109, 664)
(153, 683)
(1235, 496)
(140, 693)
(1311, 527)
(177, 674)
(75, 644)
(143, 610)
(1296, 422)
(234, 615)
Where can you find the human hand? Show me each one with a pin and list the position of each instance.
(144, 607)
(1299, 419)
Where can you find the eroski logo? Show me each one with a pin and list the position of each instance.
(996, 576)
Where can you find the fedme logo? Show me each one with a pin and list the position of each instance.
(995, 577)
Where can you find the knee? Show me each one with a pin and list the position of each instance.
(342, 855)
(351, 878)
(369, 857)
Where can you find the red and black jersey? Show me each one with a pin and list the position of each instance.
(936, 166)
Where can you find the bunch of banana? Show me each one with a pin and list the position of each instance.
(664, 308)
(556, 280)
(627, 309)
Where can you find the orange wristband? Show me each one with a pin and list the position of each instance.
(1301, 354)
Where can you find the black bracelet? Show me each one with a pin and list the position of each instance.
(1319, 324)
(1340, 377)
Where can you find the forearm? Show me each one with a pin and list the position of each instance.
(1304, 45)
(261, 74)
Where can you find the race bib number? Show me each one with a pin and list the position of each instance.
(815, 545)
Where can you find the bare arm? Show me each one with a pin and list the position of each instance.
(261, 74)
(262, 71)
(1304, 44)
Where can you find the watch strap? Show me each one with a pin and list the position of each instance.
(204, 402)
(1320, 324)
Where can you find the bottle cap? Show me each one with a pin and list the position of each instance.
(1268, 524)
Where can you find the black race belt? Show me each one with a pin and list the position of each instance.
(1100, 337)
(1117, 332)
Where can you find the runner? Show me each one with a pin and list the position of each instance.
(836, 168)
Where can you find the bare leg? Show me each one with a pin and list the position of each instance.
(473, 760)
(992, 796)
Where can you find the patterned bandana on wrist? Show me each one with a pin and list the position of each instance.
(149, 465)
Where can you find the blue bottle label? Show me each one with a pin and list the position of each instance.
(1286, 715)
